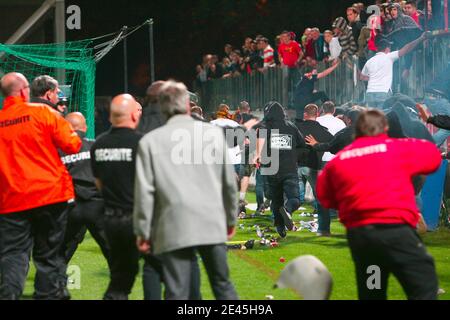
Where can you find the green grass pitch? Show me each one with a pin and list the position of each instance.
(254, 272)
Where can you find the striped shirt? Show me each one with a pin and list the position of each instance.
(269, 57)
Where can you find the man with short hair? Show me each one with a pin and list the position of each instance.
(113, 158)
(329, 121)
(176, 228)
(290, 54)
(45, 89)
(370, 182)
(289, 51)
(411, 10)
(354, 22)
(379, 71)
(310, 161)
(36, 190)
(268, 53)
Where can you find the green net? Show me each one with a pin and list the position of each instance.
(71, 63)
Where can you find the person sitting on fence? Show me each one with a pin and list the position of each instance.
(304, 90)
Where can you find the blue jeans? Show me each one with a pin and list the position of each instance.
(377, 99)
(324, 214)
(439, 106)
(302, 186)
(281, 186)
(261, 189)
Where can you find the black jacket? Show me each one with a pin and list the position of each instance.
(152, 118)
(341, 140)
(440, 121)
(308, 157)
(79, 166)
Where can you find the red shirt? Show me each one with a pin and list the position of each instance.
(31, 172)
(290, 53)
(369, 182)
(416, 17)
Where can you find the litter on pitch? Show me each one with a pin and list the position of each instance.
(311, 226)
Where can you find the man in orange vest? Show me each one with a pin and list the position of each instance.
(35, 189)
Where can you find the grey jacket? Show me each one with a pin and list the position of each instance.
(178, 204)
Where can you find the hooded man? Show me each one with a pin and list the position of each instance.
(280, 137)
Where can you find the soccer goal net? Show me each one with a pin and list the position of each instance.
(71, 63)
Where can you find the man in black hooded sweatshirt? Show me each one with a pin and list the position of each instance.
(280, 137)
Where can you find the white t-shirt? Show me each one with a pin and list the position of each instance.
(234, 153)
(334, 125)
(380, 70)
(335, 48)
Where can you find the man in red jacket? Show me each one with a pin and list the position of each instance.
(35, 189)
(369, 182)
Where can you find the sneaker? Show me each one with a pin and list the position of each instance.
(242, 207)
(324, 234)
(287, 219)
(282, 232)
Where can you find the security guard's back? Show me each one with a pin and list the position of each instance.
(35, 190)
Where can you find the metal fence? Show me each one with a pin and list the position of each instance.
(342, 86)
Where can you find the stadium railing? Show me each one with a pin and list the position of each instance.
(342, 86)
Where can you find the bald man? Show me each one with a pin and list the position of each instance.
(113, 160)
(88, 212)
(36, 190)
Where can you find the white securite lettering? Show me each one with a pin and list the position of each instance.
(76, 157)
(114, 155)
(362, 152)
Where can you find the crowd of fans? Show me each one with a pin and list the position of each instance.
(355, 35)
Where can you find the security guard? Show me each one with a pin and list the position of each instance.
(88, 212)
(35, 190)
(113, 159)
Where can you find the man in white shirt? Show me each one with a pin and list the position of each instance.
(332, 45)
(333, 124)
(379, 71)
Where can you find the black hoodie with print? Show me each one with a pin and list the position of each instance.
(281, 136)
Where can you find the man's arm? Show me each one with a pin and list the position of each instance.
(144, 194)
(63, 135)
(328, 71)
(412, 45)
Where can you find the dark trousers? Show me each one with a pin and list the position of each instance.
(124, 255)
(397, 250)
(177, 269)
(282, 186)
(153, 279)
(85, 215)
(41, 232)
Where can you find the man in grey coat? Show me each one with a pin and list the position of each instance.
(185, 197)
